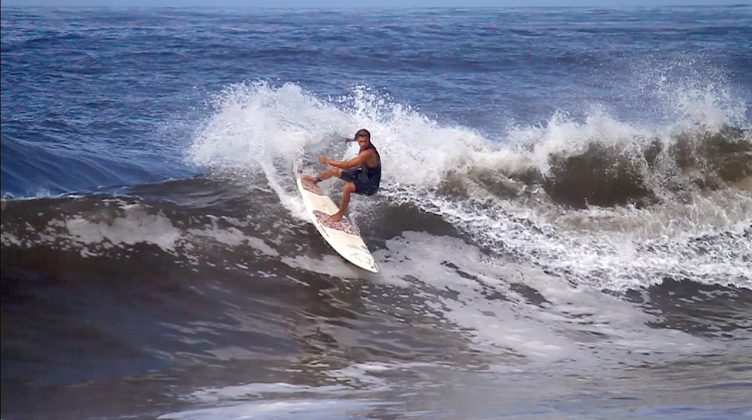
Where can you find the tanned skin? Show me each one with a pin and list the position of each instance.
(365, 156)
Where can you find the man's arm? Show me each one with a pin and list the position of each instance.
(352, 163)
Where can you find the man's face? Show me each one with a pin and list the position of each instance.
(362, 141)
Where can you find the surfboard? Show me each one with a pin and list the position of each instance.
(343, 236)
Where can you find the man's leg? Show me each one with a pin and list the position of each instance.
(348, 189)
(326, 174)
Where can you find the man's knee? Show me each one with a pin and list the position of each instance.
(349, 187)
(332, 172)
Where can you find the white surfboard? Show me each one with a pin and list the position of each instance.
(343, 236)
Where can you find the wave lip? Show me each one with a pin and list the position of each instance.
(647, 171)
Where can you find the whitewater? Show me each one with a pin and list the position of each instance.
(564, 227)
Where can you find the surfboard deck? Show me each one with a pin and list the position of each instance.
(343, 236)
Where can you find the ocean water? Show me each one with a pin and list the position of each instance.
(564, 228)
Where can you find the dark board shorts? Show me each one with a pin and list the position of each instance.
(363, 185)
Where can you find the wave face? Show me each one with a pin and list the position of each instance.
(564, 226)
(561, 196)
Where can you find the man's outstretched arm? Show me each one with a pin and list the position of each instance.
(352, 163)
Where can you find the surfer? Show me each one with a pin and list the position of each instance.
(362, 173)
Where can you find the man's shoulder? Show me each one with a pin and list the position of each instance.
(367, 152)
(370, 157)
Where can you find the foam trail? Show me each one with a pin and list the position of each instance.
(260, 128)
(255, 125)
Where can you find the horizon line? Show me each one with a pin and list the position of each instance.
(351, 6)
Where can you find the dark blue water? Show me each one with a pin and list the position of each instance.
(564, 226)
(114, 96)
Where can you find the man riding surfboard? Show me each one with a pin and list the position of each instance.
(362, 173)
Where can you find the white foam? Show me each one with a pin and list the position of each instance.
(565, 136)
(137, 226)
(263, 128)
(256, 125)
(614, 258)
(297, 408)
(8, 239)
(330, 264)
(352, 395)
(692, 93)
(231, 236)
(267, 128)
(258, 390)
(282, 400)
(579, 325)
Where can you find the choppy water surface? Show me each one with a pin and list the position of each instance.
(564, 226)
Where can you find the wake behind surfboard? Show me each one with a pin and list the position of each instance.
(343, 236)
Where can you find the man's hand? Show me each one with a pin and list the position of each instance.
(324, 159)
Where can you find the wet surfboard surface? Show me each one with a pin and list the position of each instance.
(343, 236)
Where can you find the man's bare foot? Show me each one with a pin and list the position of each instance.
(336, 217)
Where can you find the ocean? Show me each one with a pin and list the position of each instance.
(563, 230)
